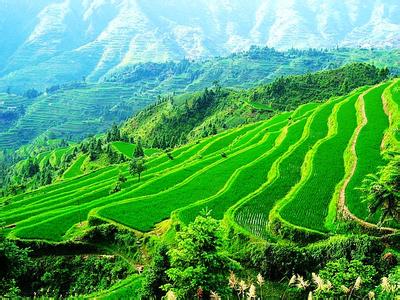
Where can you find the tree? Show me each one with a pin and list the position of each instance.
(31, 93)
(138, 152)
(155, 276)
(137, 166)
(382, 190)
(199, 263)
(122, 178)
(114, 134)
(14, 262)
(31, 168)
(116, 188)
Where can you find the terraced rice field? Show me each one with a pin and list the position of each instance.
(63, 111)
(368, 149)
(254, 213)
(75, 169)
(290, 168)
(309, 206)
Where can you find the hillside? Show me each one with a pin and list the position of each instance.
(200, 149)
(174, 120)
(74, 111)
(301, 171)
(277, 158)
(65, 40)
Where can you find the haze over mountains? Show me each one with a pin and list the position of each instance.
(64, 40)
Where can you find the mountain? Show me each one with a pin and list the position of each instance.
(75, 110)
(48, 42)
(172, 121)
(282, 194)
(188, 117)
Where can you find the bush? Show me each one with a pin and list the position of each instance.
(348, 278)
(276, 261)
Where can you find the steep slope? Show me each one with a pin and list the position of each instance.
(68, 39)
(176, 120)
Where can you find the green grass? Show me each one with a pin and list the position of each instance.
(91, 187)
(126, 289)
(254, 174)
(253, 214)
(132, 214)
(96, 194)
(259, 106)
(309, 207)
(128, 148)
(248, 180)
(75, 169)
(368, 150)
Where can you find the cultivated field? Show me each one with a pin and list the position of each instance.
(274, 179)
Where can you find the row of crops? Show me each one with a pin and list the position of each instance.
(61, 113)
(288, 169)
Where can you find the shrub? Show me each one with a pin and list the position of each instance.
(351, 278)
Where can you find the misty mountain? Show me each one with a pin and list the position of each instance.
(46, 42)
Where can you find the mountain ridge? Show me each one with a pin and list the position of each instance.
(69, 39)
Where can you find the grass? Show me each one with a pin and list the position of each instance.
(126, 289)
(75, 169)
(368, 150)
(253, 214)
(309, 207)
(128, 148)
(248, 180)
(259, 106)
(56, 156)
(51, 211)
(132, 214)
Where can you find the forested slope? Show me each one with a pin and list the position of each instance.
(176, 120)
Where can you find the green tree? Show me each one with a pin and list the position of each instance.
(137, 167)
(199, 263)
(31, 93)
(14, 263)
(138, 152)
(116, 188)
(382, 190)
(122, 178)
(31, 168)
(155, 275)
(114, 134)
(390, 285)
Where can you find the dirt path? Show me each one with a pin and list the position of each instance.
(343, 210)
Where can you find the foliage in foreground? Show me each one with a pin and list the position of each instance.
(199, 263)
(382, 191)
(56, 276)
(342, 279)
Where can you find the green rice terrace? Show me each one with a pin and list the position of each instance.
(294, 175)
